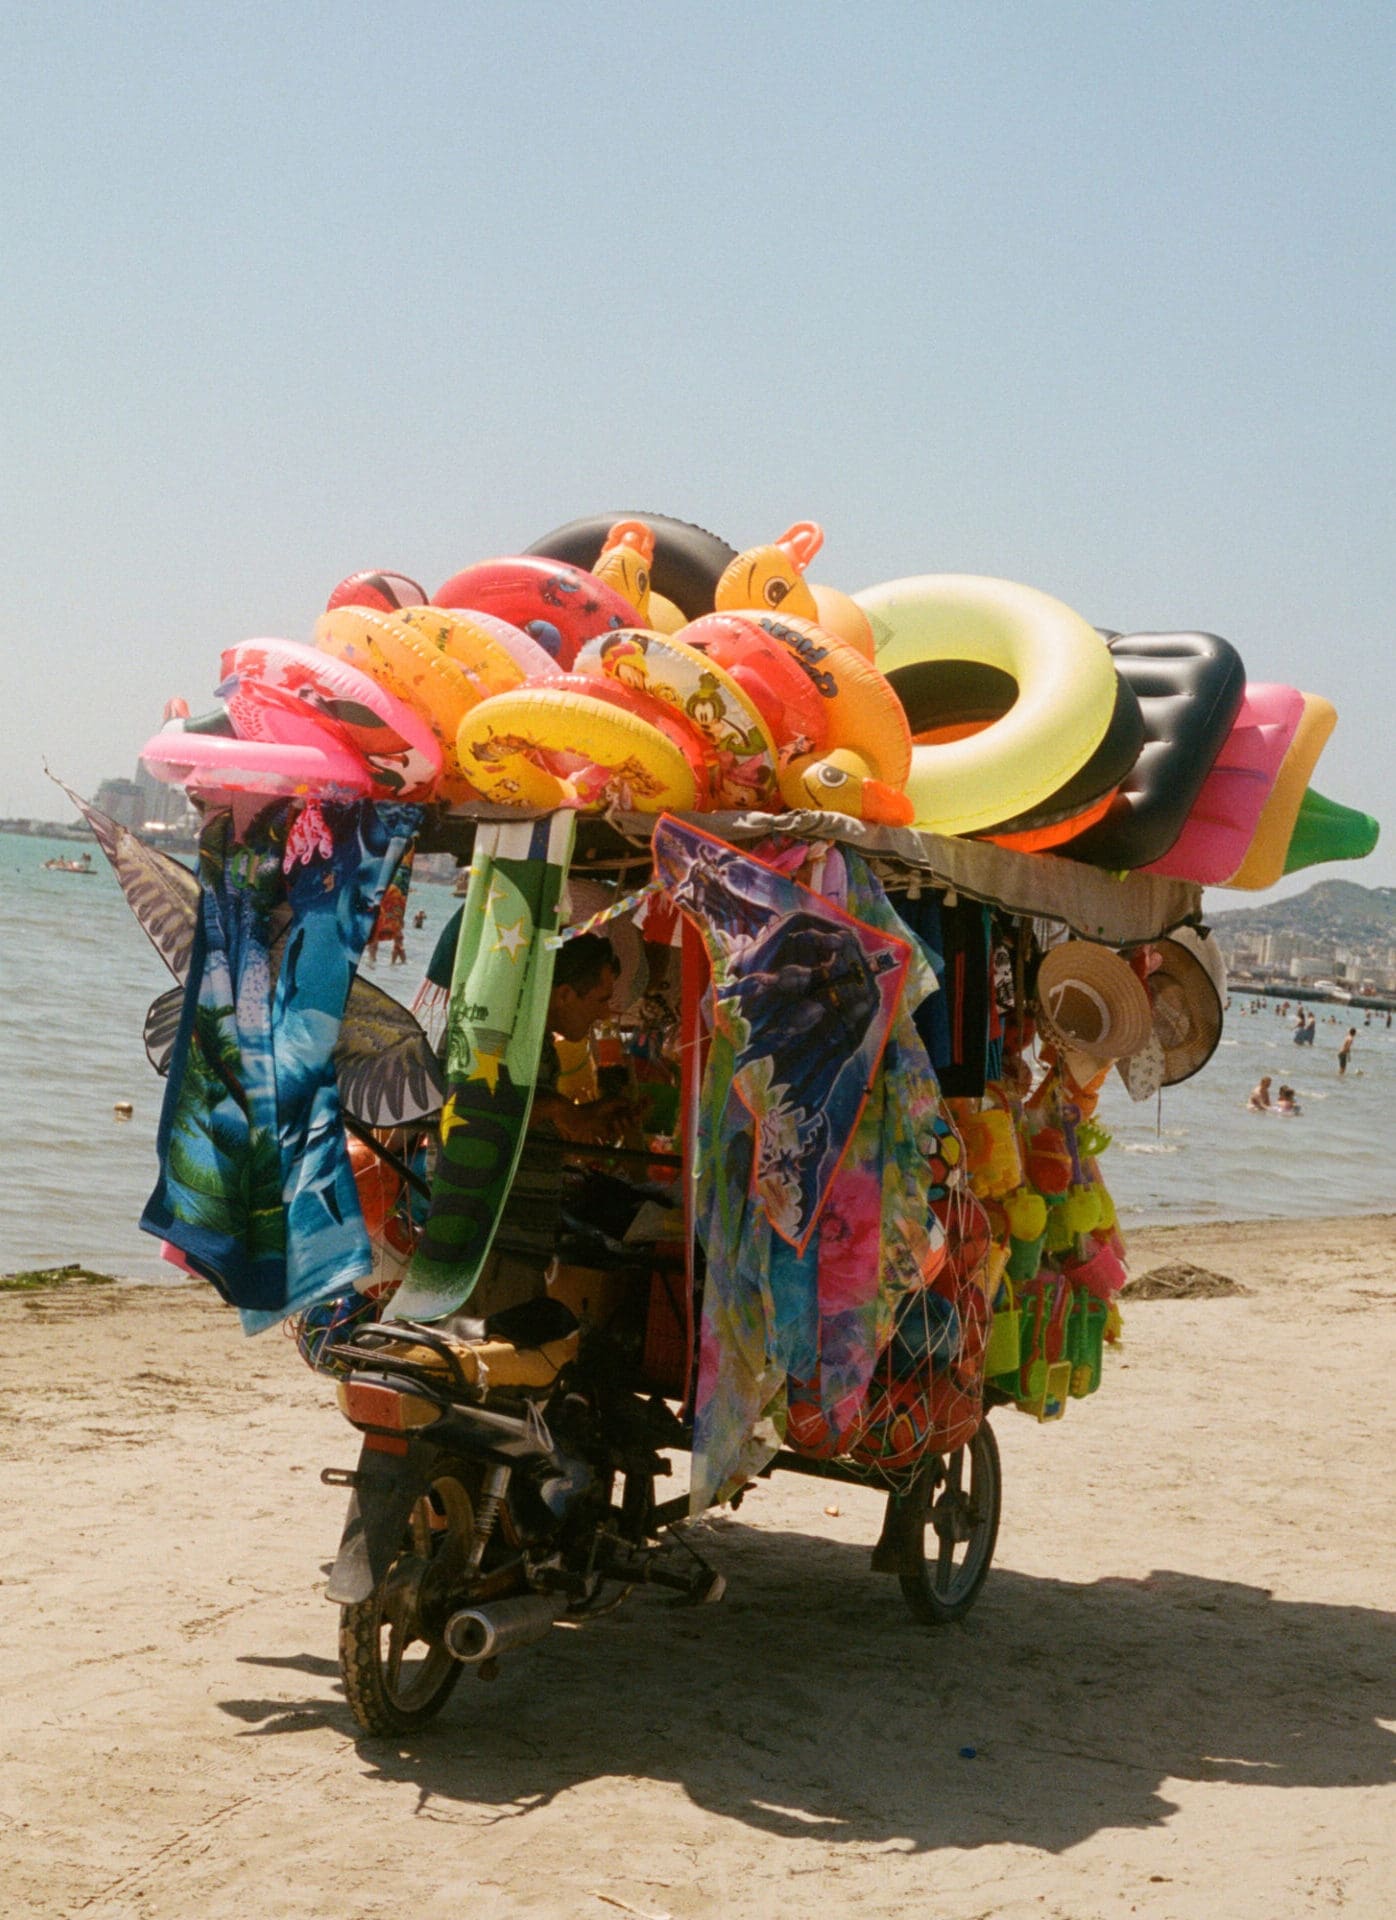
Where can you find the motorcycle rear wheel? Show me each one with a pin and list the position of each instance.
(963, 1524)
(390, 1687)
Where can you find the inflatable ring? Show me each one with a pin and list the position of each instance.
(504, 740)
(215, 763)
(1087, 795)
(865, 715)
(678, 731)
(953, 700)
(560, 606)
(1065, 683)
(383, 592)
(497, 656)
(1264, 863)
(1189, 687)
(283, 690)
(770, 676)
(741, 751)
(688, 560)
(1226, 813)
(401, 659)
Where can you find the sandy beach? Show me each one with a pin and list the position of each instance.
(1175, 1697)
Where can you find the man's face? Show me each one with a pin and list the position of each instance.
(574, 1011)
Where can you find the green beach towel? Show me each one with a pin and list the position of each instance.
(496, 1024)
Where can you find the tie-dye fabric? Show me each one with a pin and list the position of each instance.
(806, 993)
(772, 1307)
(255, 1189)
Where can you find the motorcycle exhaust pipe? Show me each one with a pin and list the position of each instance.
(476, 1634)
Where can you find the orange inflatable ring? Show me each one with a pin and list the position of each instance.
(404, 661)
(742, 754)
(496, 655)
(510, 743)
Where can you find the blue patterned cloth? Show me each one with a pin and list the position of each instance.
(255, 1190)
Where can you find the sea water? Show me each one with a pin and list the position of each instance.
(77, 975)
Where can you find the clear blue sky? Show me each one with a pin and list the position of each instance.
(1094, 296)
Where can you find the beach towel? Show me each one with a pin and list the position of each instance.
(255, 1190)
(495, 1028)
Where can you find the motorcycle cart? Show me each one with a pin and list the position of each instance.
(512, 1467)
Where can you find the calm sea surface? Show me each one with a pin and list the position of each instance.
(77, 974)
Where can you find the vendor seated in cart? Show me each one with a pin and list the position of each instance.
(584, 980)
(556, 1206)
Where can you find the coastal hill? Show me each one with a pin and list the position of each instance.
(1336, 911)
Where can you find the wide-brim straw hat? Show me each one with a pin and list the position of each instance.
(1091, 1005)
(1186, 992)
(587, 897)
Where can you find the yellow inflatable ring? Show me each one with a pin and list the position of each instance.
(407, 664)
(495, 655)
(505, 742)
(1061, 666)
(1264, 863)
(741, 751)
(864, 714)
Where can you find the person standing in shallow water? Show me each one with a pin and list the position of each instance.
(1345, 1051)
(1259, 1101)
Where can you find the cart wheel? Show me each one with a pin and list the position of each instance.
(959, 1524)
(396, 1669)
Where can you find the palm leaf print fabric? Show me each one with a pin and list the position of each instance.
(255, 1191)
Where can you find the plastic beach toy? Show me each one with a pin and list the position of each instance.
(1264, 863)
(283, 690)
(561, 607)
(1061, 669)
(622, 752)
(1223, 819)
(1189, 687)
(215, 763)
(666, 667)
(771, 579)
(1327, 830)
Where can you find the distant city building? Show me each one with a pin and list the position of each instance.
(161, 804)
(147, 804)
(122, 801)
(1278, 949)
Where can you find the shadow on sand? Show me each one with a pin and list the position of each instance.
(810, 1705)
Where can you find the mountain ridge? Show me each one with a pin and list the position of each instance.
(1342, 911)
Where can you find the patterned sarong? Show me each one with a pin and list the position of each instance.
(817, 1302)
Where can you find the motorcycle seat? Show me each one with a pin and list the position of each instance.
(489, 1362)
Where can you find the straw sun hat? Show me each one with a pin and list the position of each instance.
(1186, 992)
(1091, 1007)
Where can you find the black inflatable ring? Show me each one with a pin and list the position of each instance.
(688, 561)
